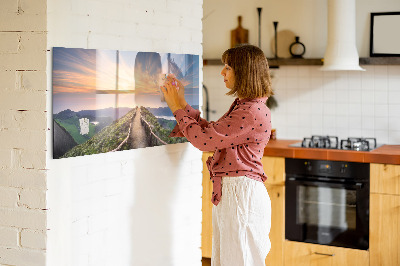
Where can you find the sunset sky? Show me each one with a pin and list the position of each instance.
(86, 79)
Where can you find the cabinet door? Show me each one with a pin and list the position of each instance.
(206, 232)
(305, 254)
(385, 178)
(277, 233)
(384, 229)
(274, 168)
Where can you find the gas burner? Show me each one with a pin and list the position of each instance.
(327, 142)
(332, 142)
(358, 144)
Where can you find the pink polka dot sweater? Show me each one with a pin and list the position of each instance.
(238, 139)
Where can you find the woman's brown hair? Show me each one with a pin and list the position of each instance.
(250, 66)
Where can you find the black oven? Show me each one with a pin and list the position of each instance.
(327, 202)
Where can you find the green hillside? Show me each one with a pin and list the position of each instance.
(161, 131)
(71, 124)
(107, 139)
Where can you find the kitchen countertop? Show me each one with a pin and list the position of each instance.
(389, 154)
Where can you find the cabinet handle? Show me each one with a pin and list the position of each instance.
(325, 254)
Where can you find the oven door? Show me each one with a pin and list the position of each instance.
(327, 213)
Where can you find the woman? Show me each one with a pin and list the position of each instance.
(242, 208)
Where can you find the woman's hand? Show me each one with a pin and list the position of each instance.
(180, 88)
(171, 90)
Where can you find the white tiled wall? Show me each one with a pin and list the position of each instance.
(313, 102)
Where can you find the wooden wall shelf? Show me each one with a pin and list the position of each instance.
(274, 63)
(380, 61)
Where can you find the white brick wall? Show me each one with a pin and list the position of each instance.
(137, 207)
(23, 132)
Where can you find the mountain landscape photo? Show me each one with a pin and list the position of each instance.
(109, 100)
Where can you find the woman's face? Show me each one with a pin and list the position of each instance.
(229, 76)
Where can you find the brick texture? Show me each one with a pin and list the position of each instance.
(23, 65)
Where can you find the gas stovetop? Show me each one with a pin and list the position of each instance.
(332, 142)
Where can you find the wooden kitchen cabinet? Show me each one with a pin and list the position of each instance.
(305, 254)
(385, 178)
(384, 236)
(206, 225)
(274, 168)
(277, 233)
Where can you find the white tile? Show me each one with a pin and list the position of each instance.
(329, 122)
(394, 123)
(381, 84)
(304, 109)
(342, 109)
(316, 82)
(317, 107)
(394, 97)
(354, 84)
(381, 97)
(329, 109)
(369, 70)
(328, 74)
(303, 82)
(304, 72)
(367, 122)
(394, 110)
(279, 72)
(317, 131)
(317, 95)
(381, 110)
(342, 133)
(278, 83)
(367, 110)
(381, 123)
(329, 94)
(367, 133)
(394, 70)
(317, 121)
(355, 132)
(382, 136)
(381, 71)
(355, 96)
(394, 83)
(355, 122)
(367, 96)
(367, 83)
(292, 83)
(342, 122)
(291, 71)
(329, 131)
(342, 96)
(355, 109)
(316, 72)
(342, 81)
(394, 137)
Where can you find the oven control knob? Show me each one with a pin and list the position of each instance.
(343, 168)
(308, 166)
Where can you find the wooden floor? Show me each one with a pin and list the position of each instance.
(206, 261)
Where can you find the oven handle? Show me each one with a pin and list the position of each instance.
(357, 185)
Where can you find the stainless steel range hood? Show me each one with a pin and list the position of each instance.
(341, 51)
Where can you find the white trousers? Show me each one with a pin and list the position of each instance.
(241, 223)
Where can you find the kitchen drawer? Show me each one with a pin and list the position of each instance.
(305, 254)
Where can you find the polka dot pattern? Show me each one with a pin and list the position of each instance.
(238, 139)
